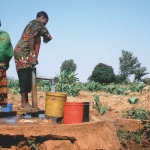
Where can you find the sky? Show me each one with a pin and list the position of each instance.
(87, 31)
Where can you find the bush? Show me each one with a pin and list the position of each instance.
(120, 79)
(103, 73)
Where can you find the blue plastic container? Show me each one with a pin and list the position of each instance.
(8, 108)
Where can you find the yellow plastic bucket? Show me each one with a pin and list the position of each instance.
(55, 104)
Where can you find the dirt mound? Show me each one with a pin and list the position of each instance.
(91, 136)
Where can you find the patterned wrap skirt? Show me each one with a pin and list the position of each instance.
(3, 86)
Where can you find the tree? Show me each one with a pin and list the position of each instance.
(128, 63)
(102, 73)
(140, 73)
(69, 66)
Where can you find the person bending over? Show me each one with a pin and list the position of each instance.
(26, 53)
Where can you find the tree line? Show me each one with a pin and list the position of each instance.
(103, 73)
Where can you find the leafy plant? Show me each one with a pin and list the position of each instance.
(45, 86)
(133, 100)
(137, 87)
(12, 83)
(146, 129)
(139, 137)
(67, 83)
(73, 89)
(16, 91)
(111, 89)
(91, 86)
(32, 144)
(138, 113)
(126, 137)
(121, 90)
(100, 108)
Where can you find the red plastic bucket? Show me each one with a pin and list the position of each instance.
(73, 112)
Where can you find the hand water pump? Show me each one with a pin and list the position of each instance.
(34, 86)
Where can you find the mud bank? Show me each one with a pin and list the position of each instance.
(89, 135)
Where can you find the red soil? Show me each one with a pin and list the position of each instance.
(94, 136)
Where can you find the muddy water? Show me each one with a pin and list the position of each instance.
(28, 120)
(31, 119)
(11, 120)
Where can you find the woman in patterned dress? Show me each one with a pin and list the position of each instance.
(26, 53)
(6, 53)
